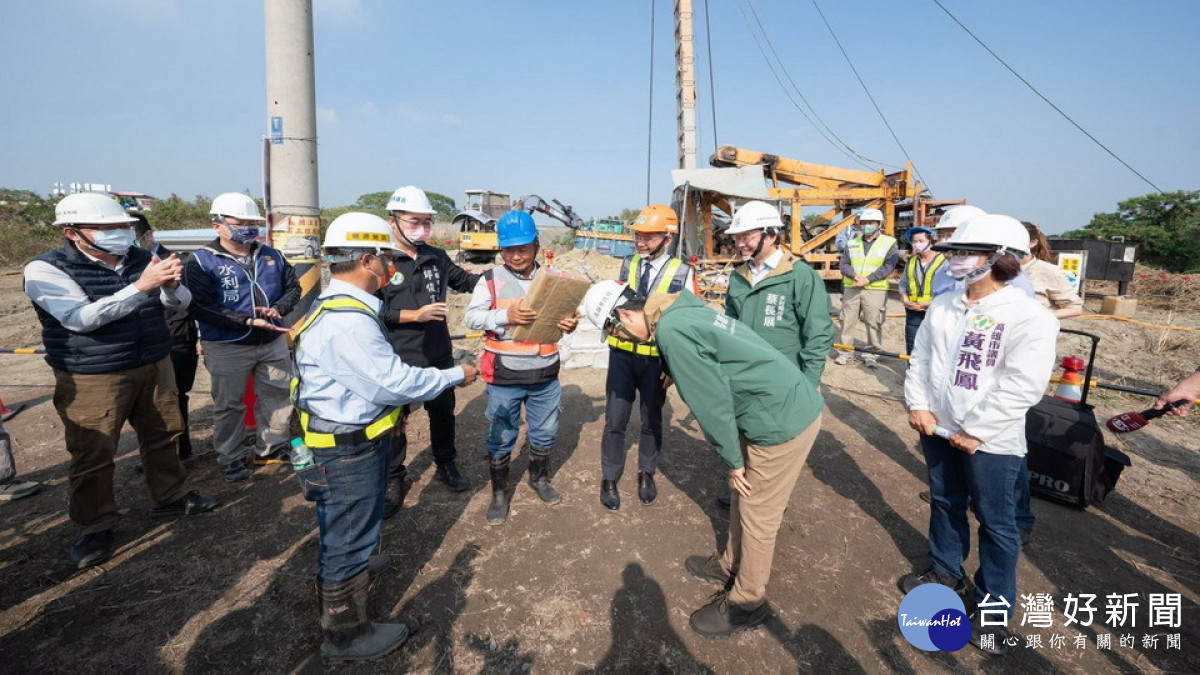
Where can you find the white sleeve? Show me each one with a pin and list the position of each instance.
(57, 293)
(480, 315)
(918, 394)
(1021, 381)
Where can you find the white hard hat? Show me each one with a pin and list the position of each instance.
(957, 215)
(235, 205)
(755, 215)
(410, 198)
(602, 298)
(988, 232)
(870, 214)
(90, 208)
(359, 230)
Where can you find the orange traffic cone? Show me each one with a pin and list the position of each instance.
(1070, 387)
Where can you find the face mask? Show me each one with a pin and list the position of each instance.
(389, 271)
(417, 235)
(870, 230)
(116, 242)
(920, 246)
(242, 235)
(961, 266)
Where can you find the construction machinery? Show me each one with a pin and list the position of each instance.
(477, 225)
(707, 198)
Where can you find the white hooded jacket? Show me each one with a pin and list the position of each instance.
(980, 368)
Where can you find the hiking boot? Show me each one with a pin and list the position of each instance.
(539, 477)
(708, 568)
(276, 454)
(191, 504)
(497, 511)
(722, 618)
(842, 359)
(18, 489)
(647, 492)
(348, 636)
(448, 474)
(609, 497)
(91, 549)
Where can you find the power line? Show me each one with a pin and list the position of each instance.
(788, 94)
(811, 108)
(650, 113)
(712, 88)
(868, 92)
(1041, 96)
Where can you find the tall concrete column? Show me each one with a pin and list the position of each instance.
(291, 180)
(685, 86)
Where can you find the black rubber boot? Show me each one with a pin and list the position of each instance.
(348, 634)
(497, 511)
(539, 477)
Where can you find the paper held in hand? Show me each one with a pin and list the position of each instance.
(554, 295)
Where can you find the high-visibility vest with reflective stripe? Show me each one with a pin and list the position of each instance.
(671, 278)
(378, 427)
(864, 263)
(922, 291)
(506, 291)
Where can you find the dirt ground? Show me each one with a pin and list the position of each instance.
(574, 588)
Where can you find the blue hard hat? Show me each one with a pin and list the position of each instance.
(516, 228)
(908, 234)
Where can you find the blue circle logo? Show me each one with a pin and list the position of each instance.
(932, 617)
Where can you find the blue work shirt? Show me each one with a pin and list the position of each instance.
(349, 373)
(943, 282)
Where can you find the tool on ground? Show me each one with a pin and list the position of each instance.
(1132, 421)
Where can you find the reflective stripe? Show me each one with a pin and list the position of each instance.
(871, 260)
(504, 295)
(670, 279)
(925, 288)
(639, 348)
(515, 348)
(373, 430)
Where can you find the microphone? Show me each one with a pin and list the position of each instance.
(1132, 421)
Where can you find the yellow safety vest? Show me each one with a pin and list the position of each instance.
(923, 291)
(865, 263)
(381, 425)
(631, 273)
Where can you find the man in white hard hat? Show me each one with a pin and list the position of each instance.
(866, 264)
(350, 398)
(101, 305)
(415, 313)
(241, 291)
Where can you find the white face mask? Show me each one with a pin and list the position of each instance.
(960, 266)
(116, 242)
(920, 246)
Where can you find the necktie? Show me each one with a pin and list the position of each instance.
(643, 288)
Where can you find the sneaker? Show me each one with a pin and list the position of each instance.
(237, 472)
(276, 454)
(188, 505)
(871, 361)
(91, 549)
(930, 576)
(18, 489)
(842, 359)
(989, 639)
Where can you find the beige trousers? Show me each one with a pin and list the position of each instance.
(871, 303)
(754, 522)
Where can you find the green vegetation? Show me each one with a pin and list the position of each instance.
(1166, 228)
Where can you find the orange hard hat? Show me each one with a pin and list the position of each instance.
(656, 219)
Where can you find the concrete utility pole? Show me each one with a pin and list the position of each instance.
(685, 85)
(290, 182)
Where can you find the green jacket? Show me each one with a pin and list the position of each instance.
(789, 308)
(733, 381)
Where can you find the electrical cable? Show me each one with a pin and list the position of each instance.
(650, 112)
(712, 88)
(870, 96)
(1043, 97)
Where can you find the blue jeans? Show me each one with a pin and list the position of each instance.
(347, 483)
(912, 323)
(542, 404)
(989, 482)
(1025, 519)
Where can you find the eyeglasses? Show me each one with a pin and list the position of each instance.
(415, 222)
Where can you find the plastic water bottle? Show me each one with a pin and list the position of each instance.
(302, 457)
(937, 431)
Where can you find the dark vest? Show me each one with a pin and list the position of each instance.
(134, 340)
(240, 290)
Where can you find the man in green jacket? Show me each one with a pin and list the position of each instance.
(755, 407)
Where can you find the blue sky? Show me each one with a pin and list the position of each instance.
(551, 97)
